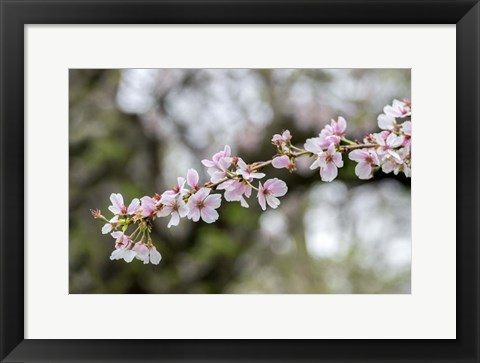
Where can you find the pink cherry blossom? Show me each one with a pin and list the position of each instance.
(333, 133)
(147, 254)
(177, 189)
(367, 160)
(192, 179)
(404, 165)
(217, 167)
(221, 157)
(247, 172)
(154, 257)
(283, 162)
(141, 251)
(235, 190)
(174, 206)
(337, 127)
(387, 145)
(329, 139)
(107, 227)
(149, 206)
(391, 164)
(202, 205)
(118, 207)
(269, 192)
(123, 248)
(282, 139)
(328, 161)
(330, 134)
(120, 238)
(398, 109)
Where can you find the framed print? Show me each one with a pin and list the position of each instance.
(239, 181)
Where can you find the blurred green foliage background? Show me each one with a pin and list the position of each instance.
(134, 131)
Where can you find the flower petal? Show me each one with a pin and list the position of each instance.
(224, 163)
(107, 227)
(394, 141)
(313, 145)
(329, 172)
(257, 175)
(281, 162)
(407, 128)
(332, 139)
(194, 213)
(241, 164)
(331, 149)
(363, 170)
(244, 203)
(117, 202)
(155, 256)
(141, 250)
(226, 184)
(148, 206)
(379, 139)
(133, 207)
(175, 220)
(209, 215)
(165, 211)
(386, 122)
(374, 156)
(322, 159)
(180, 182)
(272, 201)
(209, 163)
(358, 155)
(117, 254)
(315, 164)
(341, 125)
(117, 234)
(388, 166)
(392, 111)
(129, 255)
(337, 159)
(276, 187)
(248, 191)
(192, 178)
(216, 176)
(213, 201)
(182, 209)
(227, 151)
(261, 197)
(395, 156)
(202, 193)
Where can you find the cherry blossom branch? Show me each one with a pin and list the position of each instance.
(345, 148)
(388, 150)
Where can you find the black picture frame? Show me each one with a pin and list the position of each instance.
(15, 14)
